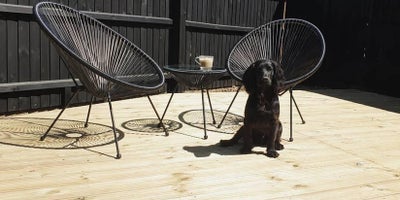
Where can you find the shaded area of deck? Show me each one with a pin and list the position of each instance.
(346, 150)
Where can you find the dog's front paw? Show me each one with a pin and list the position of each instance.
(272, 154)
(226, 143)
(279, 146)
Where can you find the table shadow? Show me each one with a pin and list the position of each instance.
(150, 126)
(194, 118)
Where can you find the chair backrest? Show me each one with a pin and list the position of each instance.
(296, 44)
(103, 60)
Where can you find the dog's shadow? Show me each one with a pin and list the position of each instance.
(205, 151)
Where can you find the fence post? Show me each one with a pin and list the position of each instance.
(176, 50)
(177, 33)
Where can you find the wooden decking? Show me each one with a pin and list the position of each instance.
(349, 148)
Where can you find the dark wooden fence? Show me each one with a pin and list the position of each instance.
(363, 42)
(33, 77)
(361, 36)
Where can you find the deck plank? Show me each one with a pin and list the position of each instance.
(349, 148)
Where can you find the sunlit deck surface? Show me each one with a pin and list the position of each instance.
(349, 148)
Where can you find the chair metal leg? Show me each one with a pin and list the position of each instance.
(298, 110)
(166, 107)
(291, 114)
(118, 156)
(291, 117)
(212, 111)
(169, 102)
(58, 116)
(229, 107)
(158, 116)
(88, 114)
(204, 114)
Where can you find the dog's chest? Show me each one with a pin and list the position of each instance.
(265, 103)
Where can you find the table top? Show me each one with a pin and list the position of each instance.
(194, 69)
(193, 76)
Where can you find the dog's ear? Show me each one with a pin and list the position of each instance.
(279, 77)
(249, 79)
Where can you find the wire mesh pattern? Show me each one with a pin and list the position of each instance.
(103, 60)
(151, 125)
(194, 118)
(68, 134)
(196, 80)
(193, 76)
(296, 44)
(107, 64)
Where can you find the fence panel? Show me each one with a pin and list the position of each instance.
(169, 31)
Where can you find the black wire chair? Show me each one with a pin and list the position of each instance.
(107, 64)
(296, 44)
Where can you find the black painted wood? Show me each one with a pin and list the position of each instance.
(170, 31)
(35, 85)
(217, 27)
(3, 60)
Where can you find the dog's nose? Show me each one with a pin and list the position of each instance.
(266, 78)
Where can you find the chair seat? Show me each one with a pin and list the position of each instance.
(296, 44)
(107, 64)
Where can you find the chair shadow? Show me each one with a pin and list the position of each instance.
(66, 134)
(206, 151)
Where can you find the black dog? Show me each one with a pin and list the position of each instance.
(262, 81)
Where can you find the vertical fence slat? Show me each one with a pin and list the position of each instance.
(3, 54)
(23, 61)
(44, 66)
(12, 58)
(177, 44)
(107, 6)
(3, 59)
(99, 6)
(54, 74)
(34, 48)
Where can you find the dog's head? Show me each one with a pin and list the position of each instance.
(263, 75)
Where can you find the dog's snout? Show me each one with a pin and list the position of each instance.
(266, 76)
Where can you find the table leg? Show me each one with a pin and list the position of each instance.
(204, 114)
(169, 102)
(209, 102)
